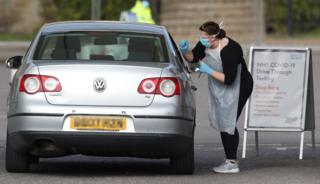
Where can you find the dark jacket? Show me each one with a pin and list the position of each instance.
(231, 56)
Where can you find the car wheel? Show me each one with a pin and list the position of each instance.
(183, 164)
(15, 161)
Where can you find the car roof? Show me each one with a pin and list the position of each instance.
(67, 26)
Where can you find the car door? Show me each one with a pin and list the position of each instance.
(185, 73)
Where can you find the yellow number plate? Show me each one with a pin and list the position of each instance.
(112, 123)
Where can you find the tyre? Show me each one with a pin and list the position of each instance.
(183, 164)
(16, 161)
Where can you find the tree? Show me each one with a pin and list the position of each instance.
(306, 15)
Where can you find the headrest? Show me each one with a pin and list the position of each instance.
(69, 43)
(106, 40)
(137, 44)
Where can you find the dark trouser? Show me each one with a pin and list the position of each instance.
(231, 142)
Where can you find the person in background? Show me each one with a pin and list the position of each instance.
(142, 11)
(230, 85)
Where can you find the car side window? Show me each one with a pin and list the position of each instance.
(178, 54)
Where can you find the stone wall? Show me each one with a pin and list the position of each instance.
(183, 17)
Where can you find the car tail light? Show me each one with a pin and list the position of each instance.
(50, 84)
(148, 86)
(32, 84)
(168, 86)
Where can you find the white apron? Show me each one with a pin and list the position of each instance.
(223, 99)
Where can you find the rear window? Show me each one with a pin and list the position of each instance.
(101, 46)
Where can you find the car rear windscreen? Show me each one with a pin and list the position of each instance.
(107, 46)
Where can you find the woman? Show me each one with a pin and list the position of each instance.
(230, 85)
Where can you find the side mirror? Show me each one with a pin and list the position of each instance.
(14, 62)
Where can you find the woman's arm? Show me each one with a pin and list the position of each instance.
(194, 55)
(219, 76)
(188, 56)
(197, 53)
(231, 58)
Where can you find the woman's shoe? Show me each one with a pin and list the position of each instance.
(227, 167)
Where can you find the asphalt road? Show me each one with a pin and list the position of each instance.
(278, 161)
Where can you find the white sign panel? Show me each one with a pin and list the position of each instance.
(278, 96)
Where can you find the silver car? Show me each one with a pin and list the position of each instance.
(101, 88)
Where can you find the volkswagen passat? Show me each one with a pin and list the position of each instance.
(100, 88)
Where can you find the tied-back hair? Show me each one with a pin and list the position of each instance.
(213, 28)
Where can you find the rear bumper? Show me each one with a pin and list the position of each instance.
(110, 144)
(152, 137)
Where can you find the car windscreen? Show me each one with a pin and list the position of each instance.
(106, 46)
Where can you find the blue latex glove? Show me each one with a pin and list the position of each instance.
(204, 68)
(184, 46)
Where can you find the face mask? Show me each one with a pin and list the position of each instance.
(205, 42)
(145, 4)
